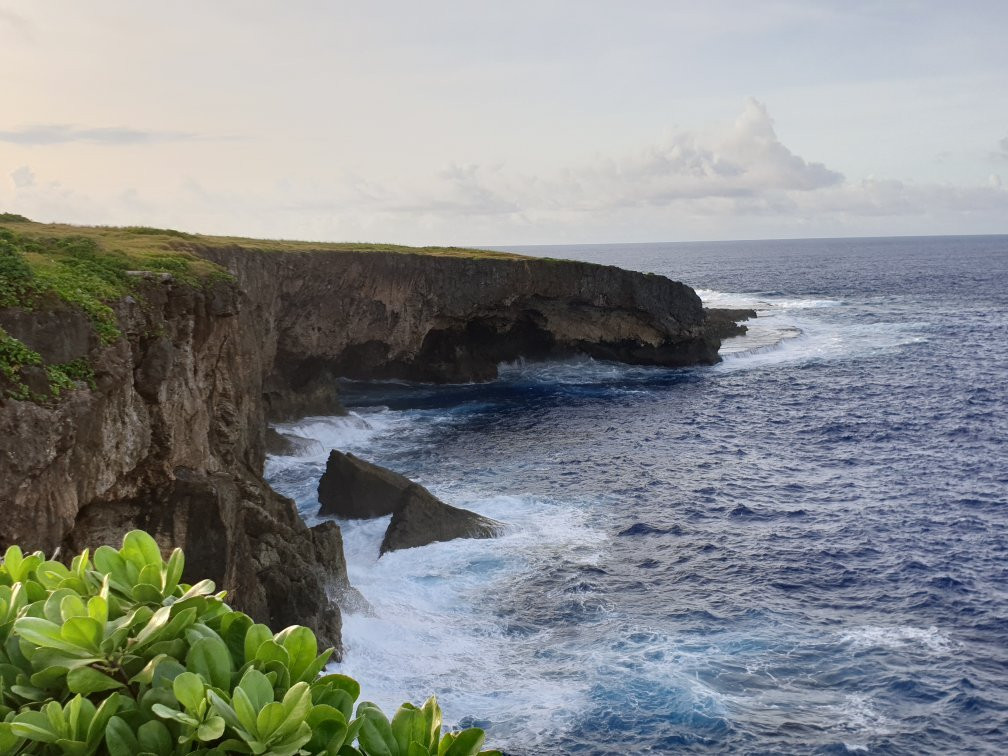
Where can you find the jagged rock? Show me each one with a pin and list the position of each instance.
(421, 519)
(726, 322)
(289, 445)
(355, 489)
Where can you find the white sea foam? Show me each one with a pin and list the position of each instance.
(861, 714)
(929, 640)
(787, 330)
(434, 632)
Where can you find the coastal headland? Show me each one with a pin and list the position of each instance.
(140, 368)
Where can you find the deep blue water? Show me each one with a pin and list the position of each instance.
(800, 550)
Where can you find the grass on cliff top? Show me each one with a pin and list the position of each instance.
(41, 264)
(143, 242)
(89, 268)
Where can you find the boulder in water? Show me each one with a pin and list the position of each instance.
(421, 519)
(357, 490)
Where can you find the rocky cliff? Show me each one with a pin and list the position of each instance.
(170, 435)
(454, 319)
(168, 439)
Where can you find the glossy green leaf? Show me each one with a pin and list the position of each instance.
(166, 712)
(210, 658)
(48, 634)
(202, 588)
(273, 651)
(173, 572)
(155, 737)
(35, 725)
(72, 605)
(410, 725)
(255, 637)
(138, 547)
(329, 729)
(120, 738)
(245, 710)
(190, 690)
(97, 609)
(375, 734)
(51, 607)
(101, 717)
(257, 688)
(466, 743)
(269, 720)
(301, 647)
(87, 680)
(82, 631)
(211, 729)
(152, 630)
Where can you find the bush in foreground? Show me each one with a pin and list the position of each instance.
(115, 656)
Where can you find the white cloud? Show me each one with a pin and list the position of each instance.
(23, 177)
(742, 159)
(60, 133)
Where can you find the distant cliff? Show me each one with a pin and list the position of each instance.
(454, 319)
(164, 430)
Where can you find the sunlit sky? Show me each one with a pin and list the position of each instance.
(496, 123)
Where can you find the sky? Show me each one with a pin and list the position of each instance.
(507, 123)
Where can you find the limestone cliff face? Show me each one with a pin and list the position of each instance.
(444, 319)
(170, 439)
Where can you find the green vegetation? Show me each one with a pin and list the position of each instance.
(142, 243)
(13, 356)
(41, 264)
(115, 656)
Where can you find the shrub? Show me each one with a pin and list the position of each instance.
(115, 656)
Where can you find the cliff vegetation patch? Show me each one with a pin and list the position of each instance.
(87, 268)
(115, 655)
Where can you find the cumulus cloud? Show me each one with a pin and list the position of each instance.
(55, 133)
(23, 177)
(743, 159)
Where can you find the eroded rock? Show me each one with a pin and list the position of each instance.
(355, 489)
(422, 519)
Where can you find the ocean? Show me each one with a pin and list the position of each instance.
(802, 549)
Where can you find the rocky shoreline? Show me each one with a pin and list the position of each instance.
(171, 435)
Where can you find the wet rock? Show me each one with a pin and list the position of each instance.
(421, 519)
(726, 322)
(290, 445)
(355, 489)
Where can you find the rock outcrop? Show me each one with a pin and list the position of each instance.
(355, 489)
(421, 519)
(727, 322)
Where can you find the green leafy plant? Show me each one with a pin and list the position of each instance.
(114, 655)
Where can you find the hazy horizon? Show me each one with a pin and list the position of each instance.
(536, 123)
